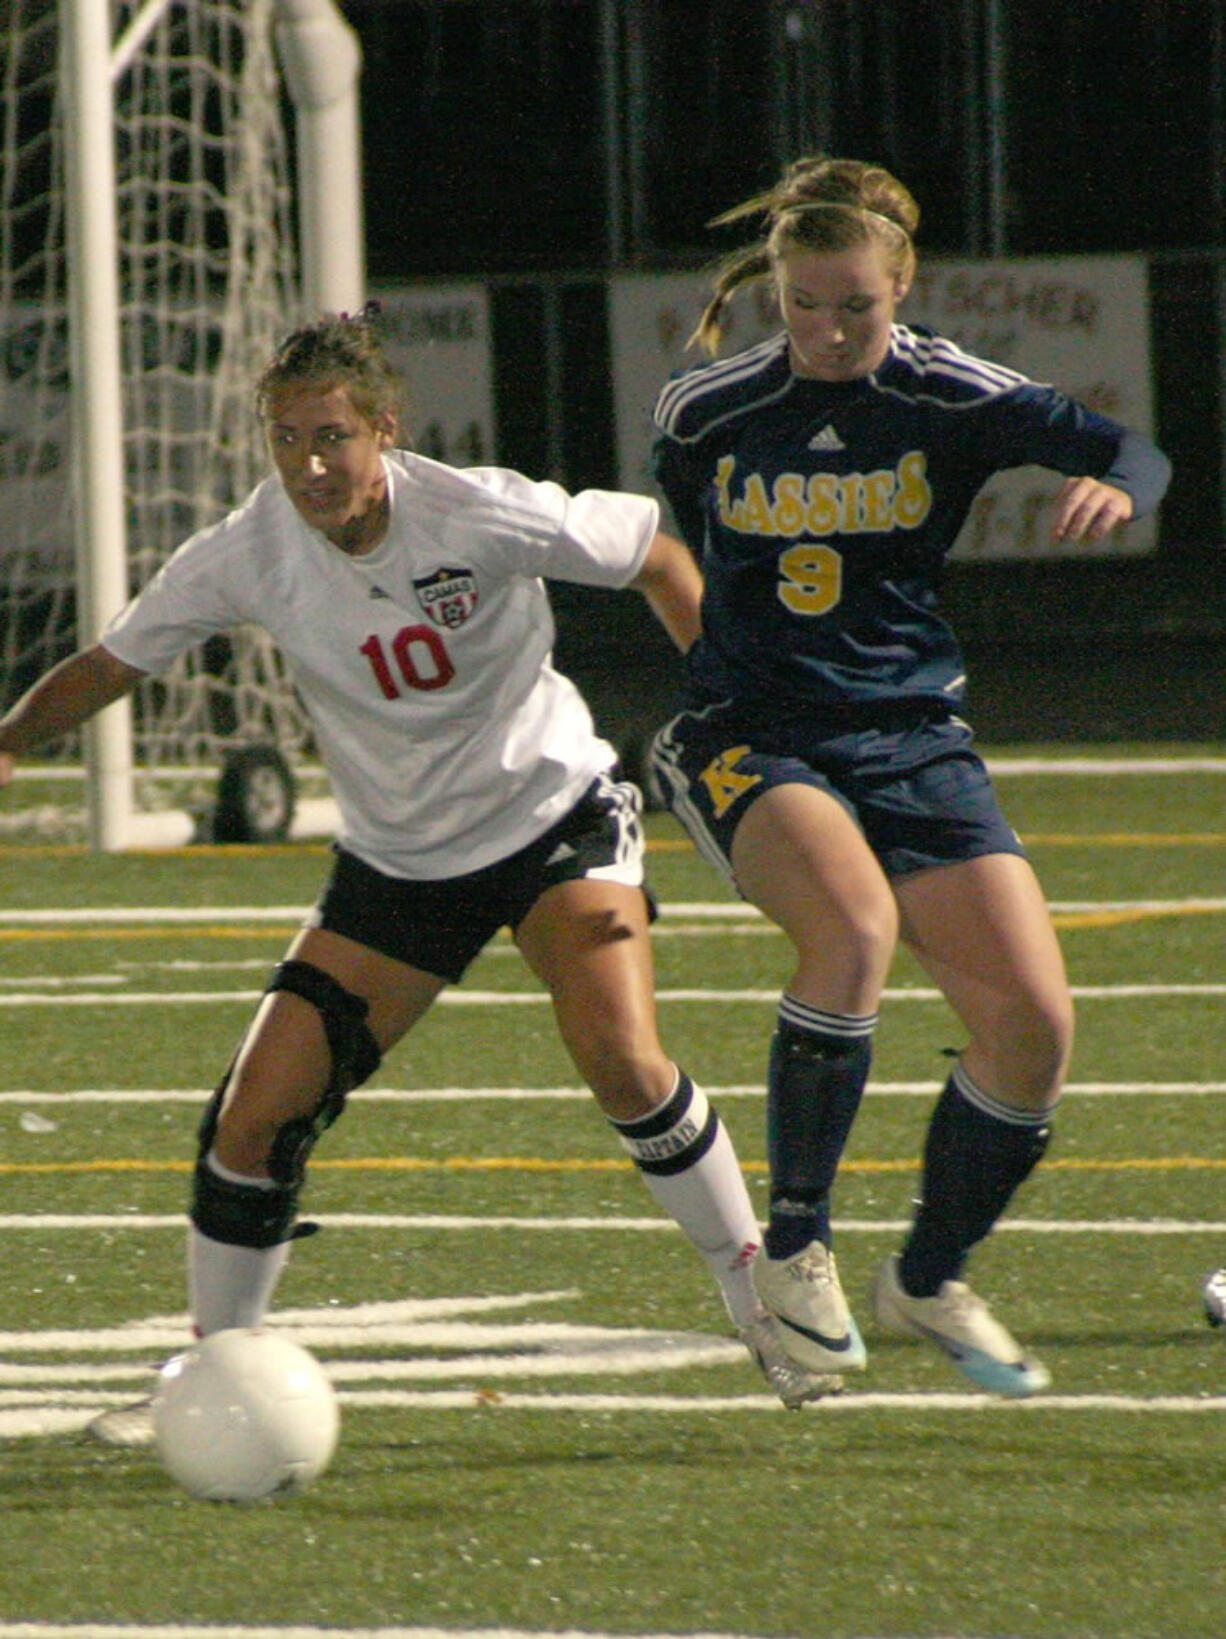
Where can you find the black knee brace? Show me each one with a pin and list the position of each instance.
(355, 1056)
(254, 1215)
(241, 1214)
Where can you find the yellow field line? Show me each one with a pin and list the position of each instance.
(655, 845)
(1131, 913)
(271, 931)
(529, 1163)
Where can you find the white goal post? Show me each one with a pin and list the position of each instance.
(147, 213)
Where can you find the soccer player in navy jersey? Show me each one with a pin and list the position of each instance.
(821, 477)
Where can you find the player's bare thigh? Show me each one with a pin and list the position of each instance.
(589, 941)
(983, 932)
(285, 1063)
(800, 857)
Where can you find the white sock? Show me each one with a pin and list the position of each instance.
(708, 1199)
(231, 1285)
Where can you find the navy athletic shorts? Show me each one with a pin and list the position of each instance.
(919, 793)
(441, 926)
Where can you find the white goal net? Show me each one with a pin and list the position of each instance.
(207, 285)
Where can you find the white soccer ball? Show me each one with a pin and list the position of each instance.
(244, 1414)
(1214, 1294)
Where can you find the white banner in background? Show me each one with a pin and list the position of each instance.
(1081, 323)
(651, 317)
(438, 338)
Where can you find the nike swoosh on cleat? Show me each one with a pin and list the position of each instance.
(955, 1351)
(961, 1355)
(836, 1345)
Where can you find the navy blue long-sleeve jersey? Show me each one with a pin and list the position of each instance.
(823, 512)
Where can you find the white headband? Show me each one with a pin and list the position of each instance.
(842, 205)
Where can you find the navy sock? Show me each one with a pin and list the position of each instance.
(977, 1153)
(819, 1065)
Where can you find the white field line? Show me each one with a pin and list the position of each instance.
(108, 915)
(997, 765)
(91, 1401)
(484, 1352)
(677, 911)
(37, 1400)
(522, 998)
(871, 1401)
(581, 1095)
(40, 1222)
(60, 1416)
(476, 1352)
(1106, 765)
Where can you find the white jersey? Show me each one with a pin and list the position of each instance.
(425, 665)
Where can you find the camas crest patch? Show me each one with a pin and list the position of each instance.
(448, 596)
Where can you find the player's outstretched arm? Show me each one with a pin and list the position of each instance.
(671, 581)
(61, 700)
(1087, 509)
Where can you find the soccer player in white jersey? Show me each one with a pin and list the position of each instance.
(822, 477)
(408, 599)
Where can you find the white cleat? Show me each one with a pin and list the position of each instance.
(128, 1426)
(805, 1297)
(964, 1328)
(791, 1382)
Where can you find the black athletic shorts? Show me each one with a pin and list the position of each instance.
(441, 926)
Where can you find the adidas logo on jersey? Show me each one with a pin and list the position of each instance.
(827, 439)
(378, 592)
